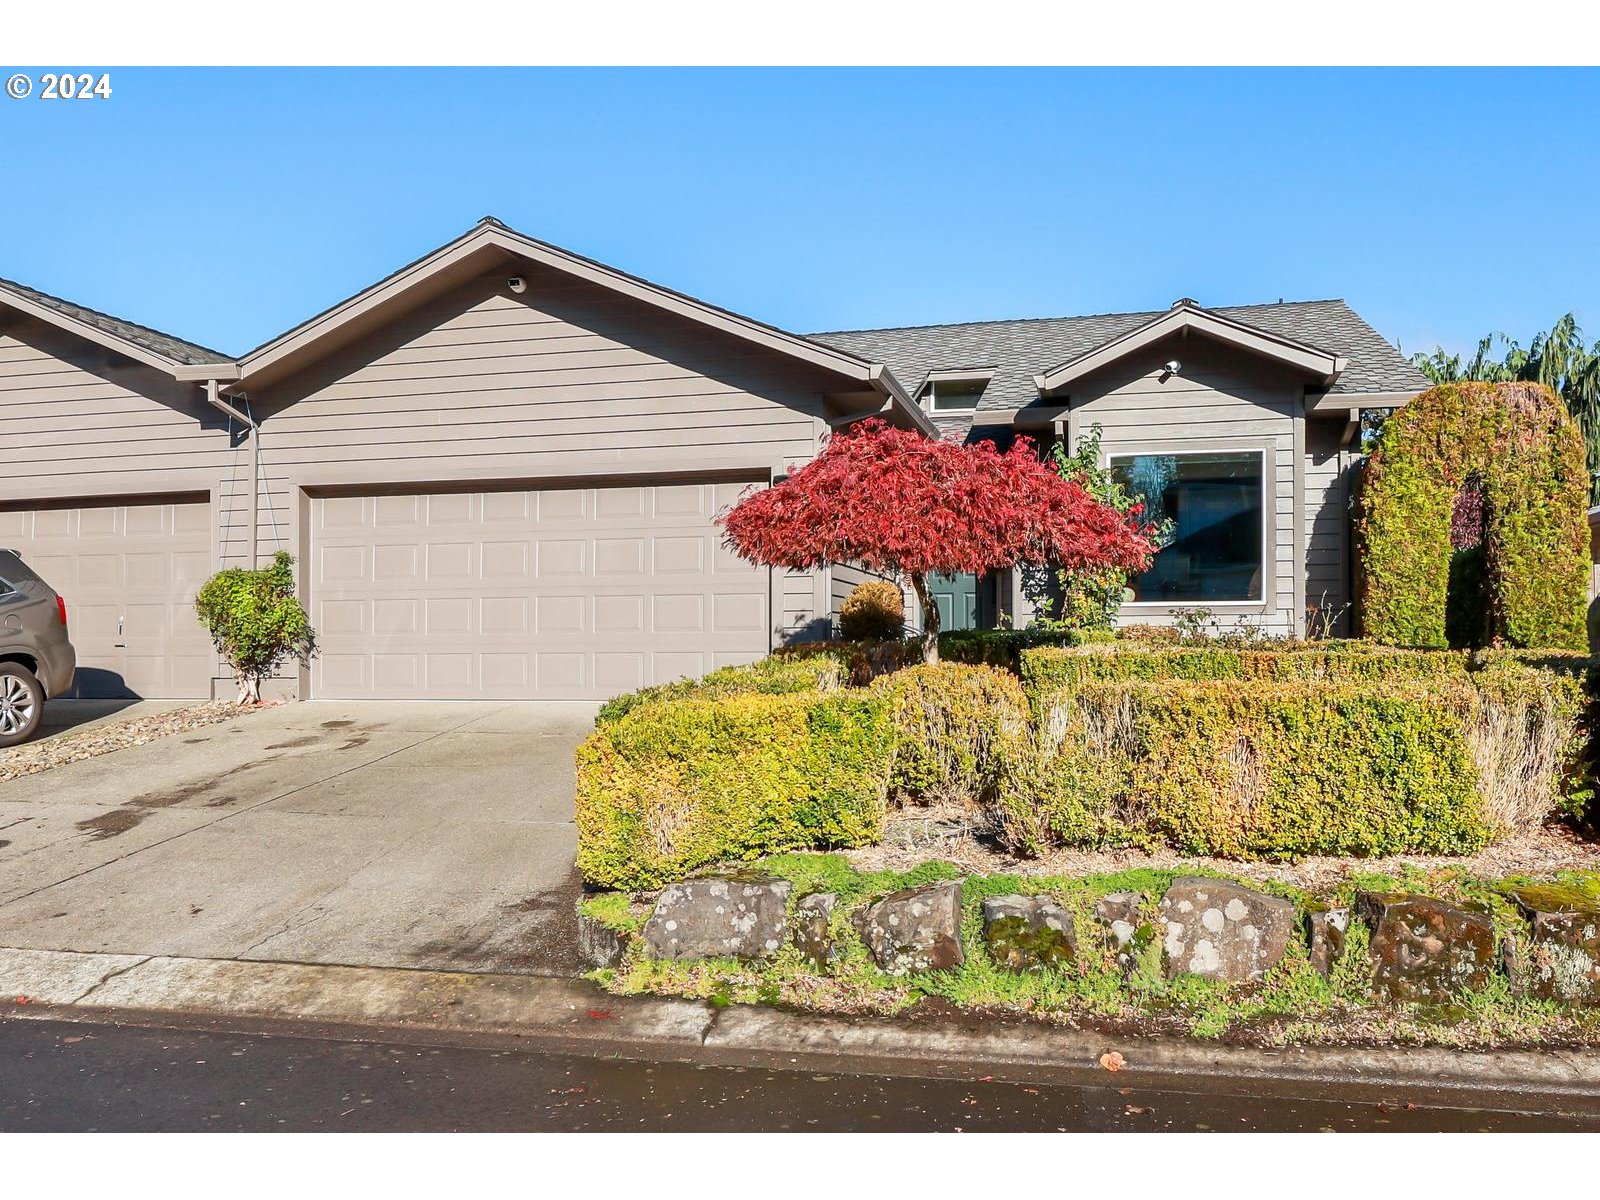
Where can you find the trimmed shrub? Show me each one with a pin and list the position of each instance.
(874, 611)
(1253, 768)
(955, 728)
(669, 788)
(1003, 647)
(1049, 669)
(1472, 523)
(823, 669)
(256, 622)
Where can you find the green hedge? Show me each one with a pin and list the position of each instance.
(820, 670)
(956, 727)
(1004, 648)
(669, 788)
(1049, 669)
(1526, 582)
(1264, 768)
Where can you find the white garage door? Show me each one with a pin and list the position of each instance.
(576, 593)
(129, 573)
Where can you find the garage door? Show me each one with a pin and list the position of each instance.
(129, 573)
(576, 593)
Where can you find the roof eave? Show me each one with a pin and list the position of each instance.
(268, 360)
(93, 333)
(1317, 363)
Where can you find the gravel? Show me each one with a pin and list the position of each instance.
(34, 757)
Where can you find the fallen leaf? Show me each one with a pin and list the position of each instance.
(987, 1079)
(1134, 1109)
(1124, 1091)
(70, 1040)
(23, 1000)
(599, 1014)
(1113, 1061)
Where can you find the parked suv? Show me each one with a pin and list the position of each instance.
(36, 659)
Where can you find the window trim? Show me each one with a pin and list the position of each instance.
(1266, 452)
(979, 376)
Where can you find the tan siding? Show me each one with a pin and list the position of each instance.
(1327, 520)
(565, 380)
(1219, 400)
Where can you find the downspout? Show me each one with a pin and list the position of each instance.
(252, 432)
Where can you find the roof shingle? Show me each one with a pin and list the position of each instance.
(153, 340)
(1018, 350)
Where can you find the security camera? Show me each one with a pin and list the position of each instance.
(517, 284)
(1171, 366)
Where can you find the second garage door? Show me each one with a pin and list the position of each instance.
(129, 574)
(572, 593)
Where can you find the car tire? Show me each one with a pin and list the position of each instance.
(21, 704)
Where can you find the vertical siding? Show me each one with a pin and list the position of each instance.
(565, 380)
(1220, 400)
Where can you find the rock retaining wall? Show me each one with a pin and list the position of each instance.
(1420, 949)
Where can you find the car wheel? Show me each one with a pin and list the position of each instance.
(21, 704)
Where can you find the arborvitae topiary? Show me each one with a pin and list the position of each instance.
(1472, 523)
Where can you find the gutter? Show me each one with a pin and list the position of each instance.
(214, 398)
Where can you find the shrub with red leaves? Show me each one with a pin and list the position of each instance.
(900, 504)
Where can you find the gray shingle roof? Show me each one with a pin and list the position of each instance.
(142, 336)
(1019, 350)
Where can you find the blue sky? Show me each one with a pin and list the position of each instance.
(225, 206)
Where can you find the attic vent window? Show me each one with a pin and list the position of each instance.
(954, 395)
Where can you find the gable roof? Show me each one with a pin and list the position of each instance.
(139, 342)
(1183, 317)
(491, 241)
(1019, 350)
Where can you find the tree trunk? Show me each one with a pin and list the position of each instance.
(930, 618)
(249, 689)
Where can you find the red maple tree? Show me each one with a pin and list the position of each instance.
(901, 504)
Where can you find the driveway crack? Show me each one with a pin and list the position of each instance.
(108, 976)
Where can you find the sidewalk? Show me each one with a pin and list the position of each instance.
(572, 1016)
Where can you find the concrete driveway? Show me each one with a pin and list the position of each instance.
(385, 834)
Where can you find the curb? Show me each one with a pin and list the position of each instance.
(563, 1015)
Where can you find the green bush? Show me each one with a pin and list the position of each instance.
(256, 621)
(821, 670)
(1253, 768)
(1003, 647)
(1476, 487)
(874, 611)
(669, 788)
(1048, 669)
(955, 728)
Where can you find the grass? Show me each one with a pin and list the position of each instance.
(1294, 1004)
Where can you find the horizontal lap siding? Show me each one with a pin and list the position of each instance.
(564, 380)
(1218, 401)
(1327, 521)
(76, 419)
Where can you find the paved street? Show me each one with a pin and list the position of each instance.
(390, 834)
(63, 1076)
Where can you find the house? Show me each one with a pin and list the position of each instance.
(498, 467)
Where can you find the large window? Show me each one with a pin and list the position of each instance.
(1214, 501)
